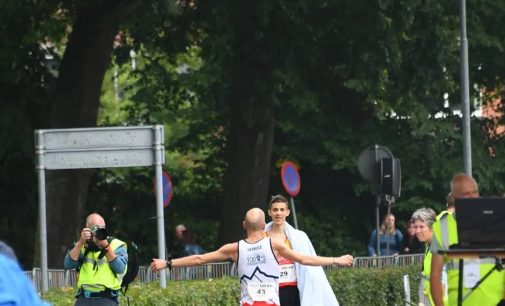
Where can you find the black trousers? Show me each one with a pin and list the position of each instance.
(289, 296)
(81, 301)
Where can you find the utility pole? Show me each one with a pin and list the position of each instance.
(465, 92)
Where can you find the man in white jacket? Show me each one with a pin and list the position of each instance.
(298, 284)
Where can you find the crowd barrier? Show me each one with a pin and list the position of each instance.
(67, 278)
(57, 278)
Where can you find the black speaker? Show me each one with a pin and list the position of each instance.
(389, 177)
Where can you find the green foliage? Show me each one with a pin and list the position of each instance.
(116, 193)
(340, 86)
(372, 287)
(330, 235)
(162, 90)
(217, 292)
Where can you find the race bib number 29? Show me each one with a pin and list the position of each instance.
(287, 273)
(262, 292)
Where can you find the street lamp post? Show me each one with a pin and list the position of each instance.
(465, 92)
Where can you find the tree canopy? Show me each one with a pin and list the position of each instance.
(240, 87)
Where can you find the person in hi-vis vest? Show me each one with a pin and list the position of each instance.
(422, 221)
(256, 260)
(488, 293)
(101, 261)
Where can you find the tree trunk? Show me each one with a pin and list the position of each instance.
(76, 104)
(250, 149)
(253, 60)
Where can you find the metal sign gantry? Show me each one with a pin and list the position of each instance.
(110, 147)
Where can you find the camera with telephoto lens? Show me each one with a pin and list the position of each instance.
(100, 233)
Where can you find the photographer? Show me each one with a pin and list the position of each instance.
(101, 261)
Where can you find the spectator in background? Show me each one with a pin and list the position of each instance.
(190, 246)
(179, 230)
(390, 239)
(179, 242)
(410, 243)
(15, 288)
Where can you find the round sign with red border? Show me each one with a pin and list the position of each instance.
(290, 178)
(168, 191)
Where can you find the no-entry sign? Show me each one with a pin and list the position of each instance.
(168, 190)
(290, 178)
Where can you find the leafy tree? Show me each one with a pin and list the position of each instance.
(240, 87)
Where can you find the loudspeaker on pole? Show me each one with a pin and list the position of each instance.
(389, 177)
(378, 166)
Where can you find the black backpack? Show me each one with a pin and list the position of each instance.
(133, 266)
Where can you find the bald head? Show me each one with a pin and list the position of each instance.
(254, 219)
(464, 186)
(179, 231)
(95, 219)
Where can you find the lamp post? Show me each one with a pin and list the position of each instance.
(465, 91)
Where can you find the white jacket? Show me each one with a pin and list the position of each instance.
(315, 290)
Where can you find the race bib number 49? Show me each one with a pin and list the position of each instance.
(262, 292)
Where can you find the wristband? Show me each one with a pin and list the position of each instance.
(168, 262)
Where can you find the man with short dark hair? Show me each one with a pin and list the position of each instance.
(298, 284)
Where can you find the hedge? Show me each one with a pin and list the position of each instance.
(352, 287)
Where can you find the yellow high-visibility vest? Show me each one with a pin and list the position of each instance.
(490, 292)
(425, 290)
(95, 274)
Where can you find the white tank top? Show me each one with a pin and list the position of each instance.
(258, 271)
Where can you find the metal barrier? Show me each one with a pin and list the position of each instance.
(57, 278)
(388, 261)
(68, 278)
(213, 270)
